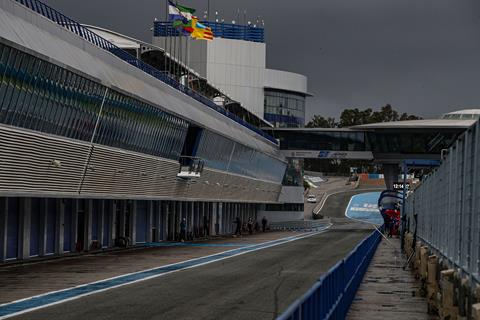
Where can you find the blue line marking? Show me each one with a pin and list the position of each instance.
(364, 207)
(22, 306)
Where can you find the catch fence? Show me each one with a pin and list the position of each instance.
(444, 210)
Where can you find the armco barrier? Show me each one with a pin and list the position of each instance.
(332, 295)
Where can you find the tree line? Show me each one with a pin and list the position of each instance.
(354, 117)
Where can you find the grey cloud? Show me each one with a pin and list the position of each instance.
(419, 56)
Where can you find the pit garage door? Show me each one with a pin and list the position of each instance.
(35, 224)
(51, 225)
(12, 228)
(141, 221)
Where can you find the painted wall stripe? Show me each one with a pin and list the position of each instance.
(17, 307)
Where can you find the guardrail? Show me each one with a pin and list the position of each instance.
(75, 27)
(332, 295)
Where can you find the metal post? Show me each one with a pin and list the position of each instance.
(403, 217)
(3, 228)
(165, 37)
(90, 152)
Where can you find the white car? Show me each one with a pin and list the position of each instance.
(312, 198)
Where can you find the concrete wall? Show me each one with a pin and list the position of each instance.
(236, 67)
(280, 216)
(291, 195)
(283, 80)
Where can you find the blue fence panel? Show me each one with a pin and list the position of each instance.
(219, 29)
(95, 39)
(332, 295)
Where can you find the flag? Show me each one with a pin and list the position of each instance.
(179, 13)
(183, 20)
(200, 31)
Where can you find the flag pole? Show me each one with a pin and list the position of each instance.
(188, 62)
(174, 61)
(208, 10)
(172, 50)
(165, 38)
(180, 49)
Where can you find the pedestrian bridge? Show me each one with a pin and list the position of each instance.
(390, 142)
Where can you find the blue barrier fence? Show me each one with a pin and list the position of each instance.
(219, 29)
(332, 295)
(75, 27)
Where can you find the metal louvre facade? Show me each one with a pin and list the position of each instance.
(445, 208)
(227, 155)
(41, 96)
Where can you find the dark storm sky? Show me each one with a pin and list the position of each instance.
(421, 56)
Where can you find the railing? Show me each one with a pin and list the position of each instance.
(444, 210)
(332, 295)
(219, 29)
(75, 27)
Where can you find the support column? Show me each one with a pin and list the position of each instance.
(211, 219)
(227, 213)
(196, 219)
(112, 216)
(59, 226)
(171, 220)
(159, 212)
(74, 235)
(191, 213)
(24, 215)
(150, 213)
(88, 224)
(165, 213)
(101, 223)
(228, 217)
(123, 215)
(133, 223)
(221, 220)
(42, 241)
(214, 220)
(3, 228)
(236, 213)
(390, 172)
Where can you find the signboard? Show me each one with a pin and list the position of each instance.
(327, 154)
(398, 186)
